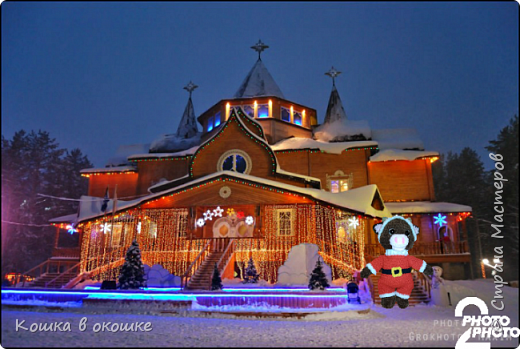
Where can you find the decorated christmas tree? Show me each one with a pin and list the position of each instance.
(131, 275)
(216, 281)
(251, 275)
(318, 279)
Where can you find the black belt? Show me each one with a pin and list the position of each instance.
(397, 271)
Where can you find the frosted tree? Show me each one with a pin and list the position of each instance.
(318, 279)
(216, 281)
(132, 273)
(251, 275)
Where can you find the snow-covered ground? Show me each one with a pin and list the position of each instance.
(419, 326)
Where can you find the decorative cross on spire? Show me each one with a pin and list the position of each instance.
(333, 73)
(259, 47)
(190, 87)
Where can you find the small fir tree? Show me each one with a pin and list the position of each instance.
(131, 275)
(318, 279)
(251, 275)
(216, 281)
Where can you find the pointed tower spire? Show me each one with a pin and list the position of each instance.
(259, 81)
(335, 109)
(188, 125)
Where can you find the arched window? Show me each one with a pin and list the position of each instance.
(235, 160)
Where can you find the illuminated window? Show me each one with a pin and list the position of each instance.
(286, 114)
(297, 118)
(234, 160)
(249, 110)
(339, 182)
(285, 222)
(210, 124)
(263, 111)
(217, 119)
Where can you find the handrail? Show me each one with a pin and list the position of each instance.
(425, 282)
(32, 269)
(183, 278)
(226, 254)
(102, 268)
(67, 271)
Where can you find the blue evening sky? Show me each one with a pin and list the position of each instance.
(98, 75)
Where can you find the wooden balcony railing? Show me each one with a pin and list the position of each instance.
(73, 252)
(429, 248)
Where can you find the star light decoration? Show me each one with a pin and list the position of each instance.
(230, 211)
(105, 228)
(208, 215)
(353, 222)
(70, 229)
(200, 222)
(440, 220)
(218, 212)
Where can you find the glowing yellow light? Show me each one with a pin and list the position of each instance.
(433, 159)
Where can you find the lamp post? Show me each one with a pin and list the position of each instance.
(482, 263)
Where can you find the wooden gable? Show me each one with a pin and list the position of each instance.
(233, 135)
(214, 193)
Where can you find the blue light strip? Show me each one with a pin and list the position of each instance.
(179, 296)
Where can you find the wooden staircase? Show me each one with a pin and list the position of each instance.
(418, 295)
(42, 280)
(201, 280)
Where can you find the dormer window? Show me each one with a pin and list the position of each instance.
(339, 182)
(235, 160)
(286, 114)
(217, 119)
(263, 111)
(210, 124)
(249, 110)
(297, 116)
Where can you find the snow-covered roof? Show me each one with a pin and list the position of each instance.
(70, 218)
(258, 82)
(109, 169)
(287, 173)
(186, 152)
(426, 207)
(398, 154)
(342, 130)
(358, 200)
(398, 138)
(309, 143)
(122, 153)
(335, 110)
(173, 143)
(188, 124)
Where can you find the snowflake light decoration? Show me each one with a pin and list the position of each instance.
(105, 228)
(139, 228)
(249, 220)
(353, 222)
(218, 212)
(440, 220)
(200, 222)
(70, 229)
(208, 215)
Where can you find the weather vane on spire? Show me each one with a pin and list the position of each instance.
(333, 73)
(259, 47)
(190, 87)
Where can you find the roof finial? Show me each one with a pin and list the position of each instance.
(259, 47)
(190, 87)
(333, 73)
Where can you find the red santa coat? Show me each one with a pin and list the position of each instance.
(400, 286)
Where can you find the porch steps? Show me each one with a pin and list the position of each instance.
(201, 280)
(44, 278)
(418, 294)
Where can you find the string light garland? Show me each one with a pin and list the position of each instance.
(174, 158)
(90, 174)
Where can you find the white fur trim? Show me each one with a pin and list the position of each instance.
(400, 295)
(393, 252)
(423, 266)
(369, 266)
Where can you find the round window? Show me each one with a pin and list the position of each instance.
(235, 160)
